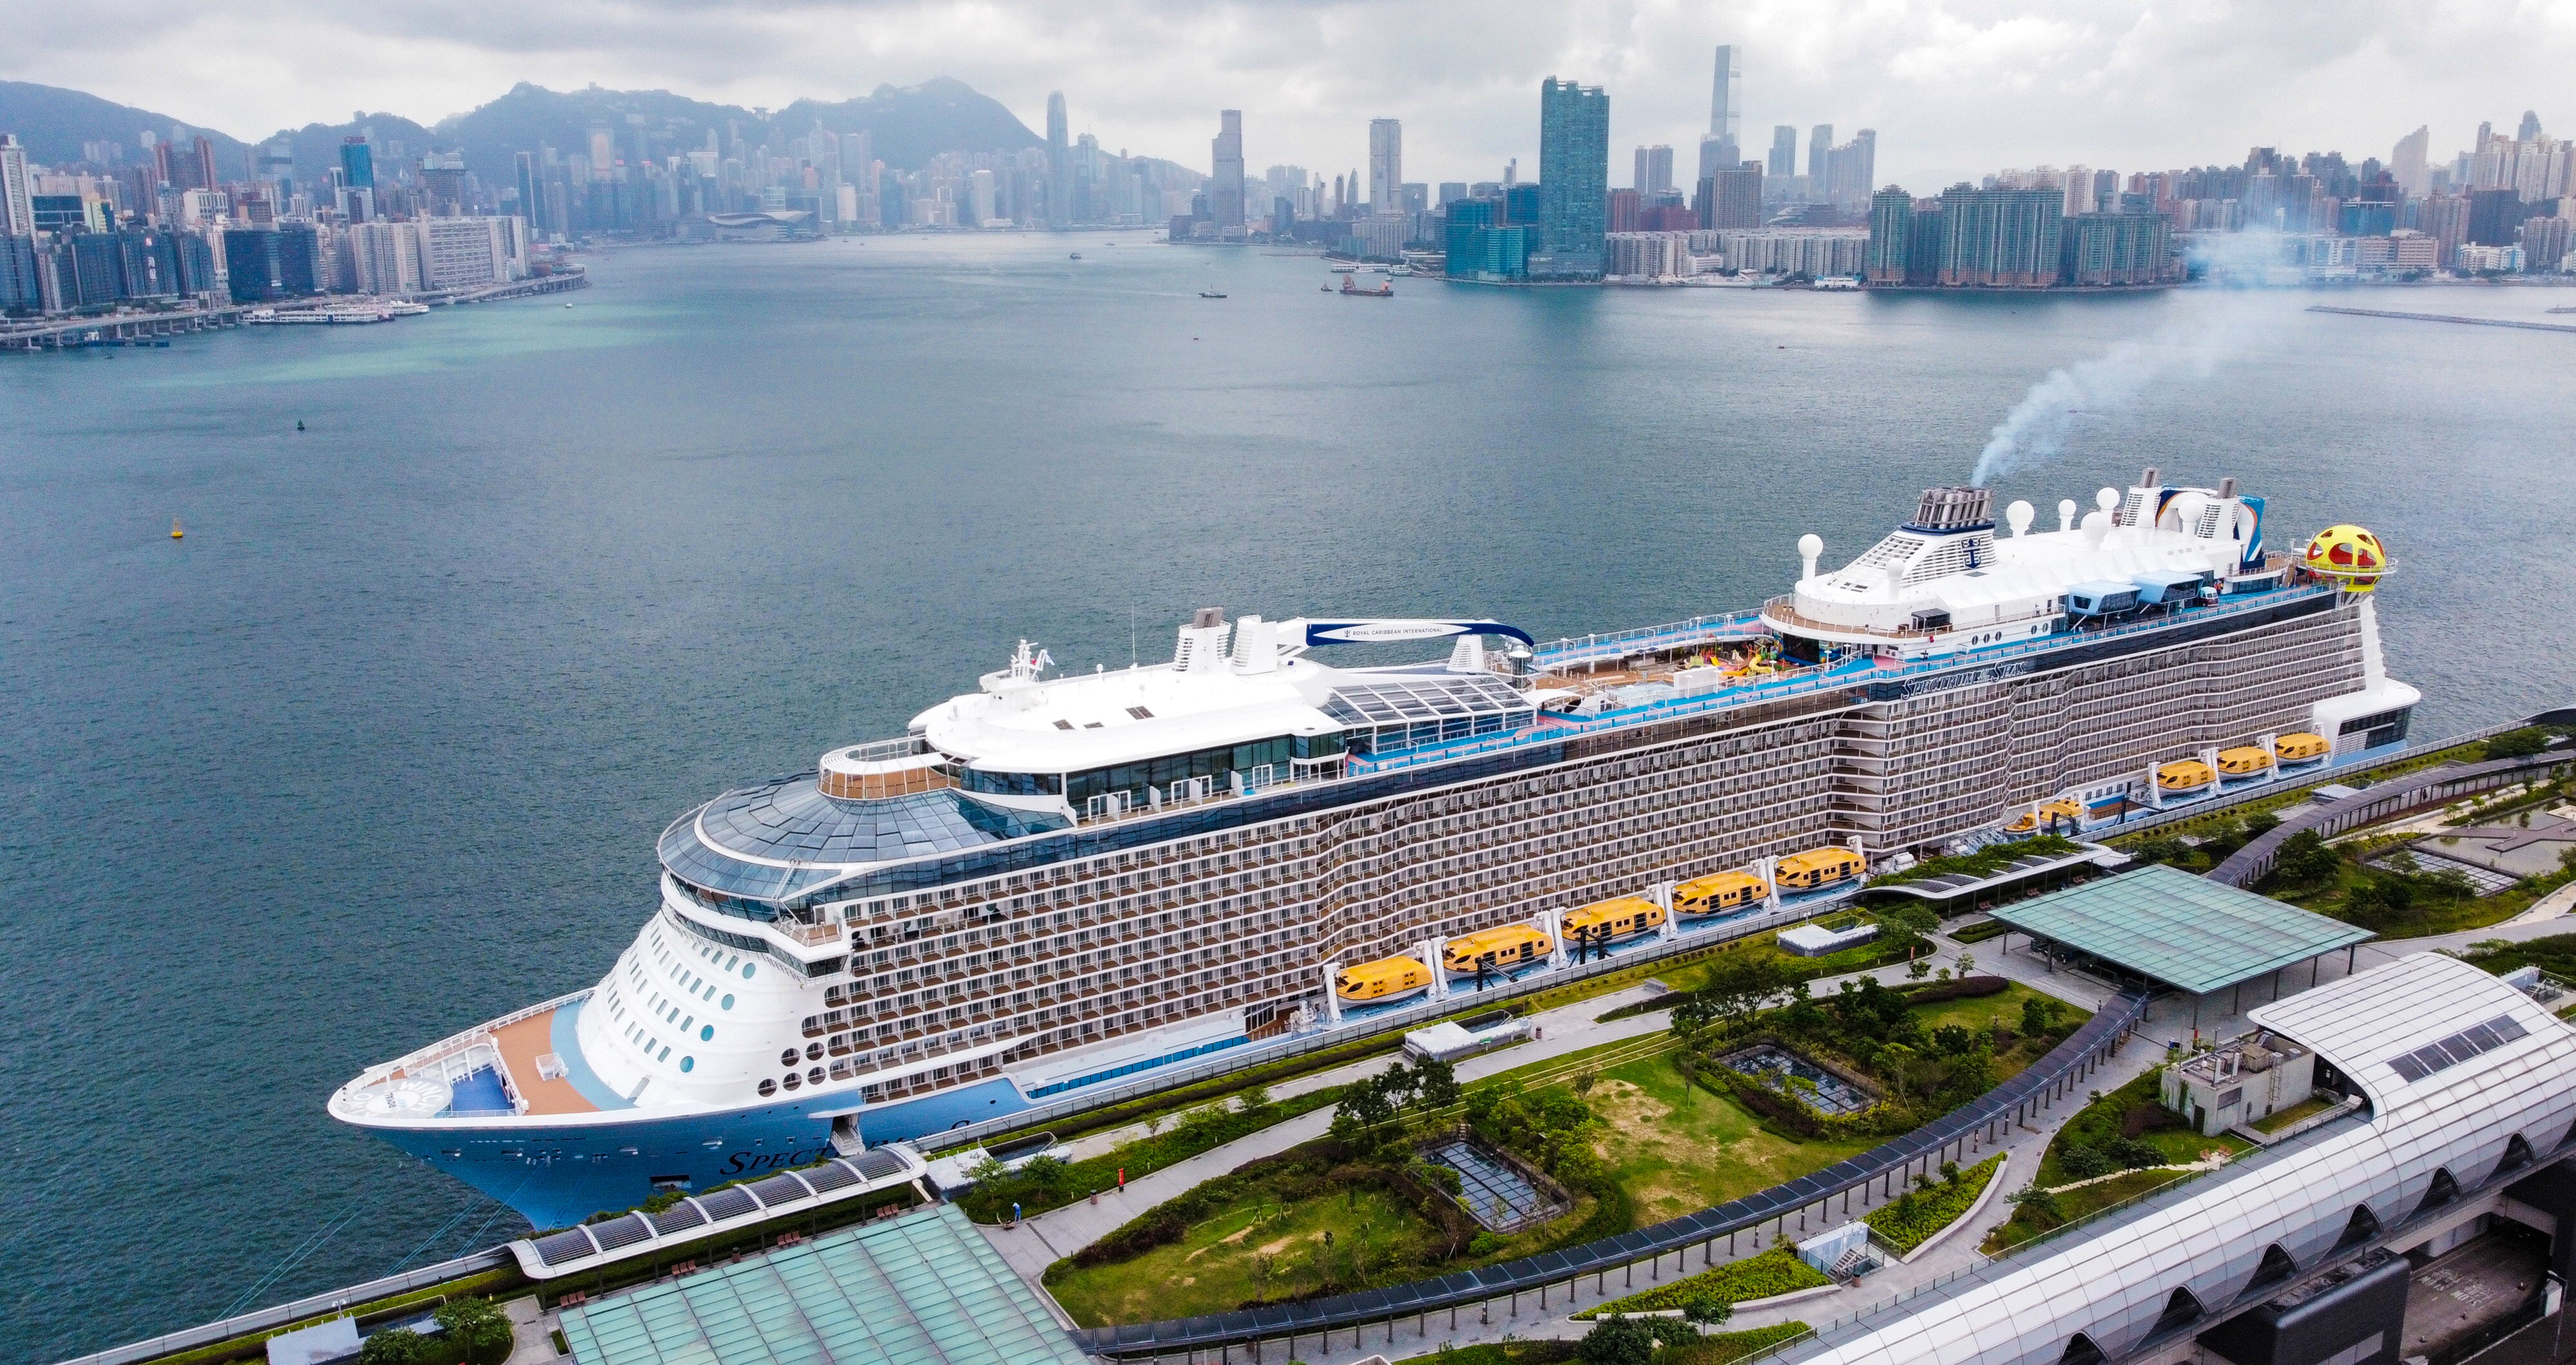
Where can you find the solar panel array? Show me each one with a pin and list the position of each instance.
(716, 1206)
(1460, 1288)
(2458, 1048)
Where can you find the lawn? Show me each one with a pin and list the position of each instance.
(2307, 1108)
(2028, 1222)
(1977, 1014)
(1262, 1249)
(1773, 1273)
(1678, 1149)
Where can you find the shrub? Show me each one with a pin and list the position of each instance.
(1912, 1219)
(1617, 1341)
(1959, 988)
(2133, 1154)
(2083, 1161)
(1774, 1272)
(397, 1346)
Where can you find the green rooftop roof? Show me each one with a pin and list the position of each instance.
(923, 1289)
(2188, 932)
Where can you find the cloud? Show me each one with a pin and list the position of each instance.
(1954, 87)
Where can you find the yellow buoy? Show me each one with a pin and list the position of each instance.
(175, 532)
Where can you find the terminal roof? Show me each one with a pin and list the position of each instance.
(2187, 932)
(924, 1288)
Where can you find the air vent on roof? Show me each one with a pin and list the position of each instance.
(1140, 713)
(1064, 725)
(1091, 725)
(2457, 1048)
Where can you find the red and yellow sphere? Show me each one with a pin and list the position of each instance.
(2350, 555)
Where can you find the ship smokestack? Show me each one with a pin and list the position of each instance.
(1955, 509)
(2227, 487)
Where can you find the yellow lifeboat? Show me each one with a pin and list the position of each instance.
(2244, 762)
(1820, 867)
(2184, 776)
(2301, 747)
(1719, 892)
(2063, 808)
(1381, 980)
(1614, 918)
(1500, 949)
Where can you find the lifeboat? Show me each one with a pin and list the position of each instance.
(1816, 867)
(2063, 808)
(1499, 949)
(1384, 979)
(2251, 760)
(2184, 778)
(2301, 749)
(1615, 918)
(1718, 893)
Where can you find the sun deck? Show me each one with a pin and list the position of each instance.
(528, 1052)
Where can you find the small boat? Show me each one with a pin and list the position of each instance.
(1206, 294)
(299, 424)
(175, 531)
(1344, 269)
(1325, 287)
(1617, 917)
(2048, 815)
(1816, 867)
(1497, 949)
(2300, 748)
(1077, 255)
(1380, 980)
(2249, 761)
(1719, 892)
(2185, 777)
(1401, 270)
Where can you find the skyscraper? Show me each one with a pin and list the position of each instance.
(17, 208)
(2406, 163)
(527, 168)
(2530, 128)
(1820, 152)
(1784, 150)
(1654, 169)
(1386, 166)
(1573, 176)
(1725, 114)
(1059, 191)
(1225, 190)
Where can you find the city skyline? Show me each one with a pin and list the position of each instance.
(1954, 94)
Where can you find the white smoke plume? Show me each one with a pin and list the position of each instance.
(2110, 384)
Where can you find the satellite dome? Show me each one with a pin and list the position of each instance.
(2350, 555)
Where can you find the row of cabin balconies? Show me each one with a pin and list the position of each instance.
(989, 989)
(940, 1043)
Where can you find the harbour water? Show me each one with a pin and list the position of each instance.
(379, 749)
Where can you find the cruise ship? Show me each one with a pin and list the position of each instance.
(1066, 879)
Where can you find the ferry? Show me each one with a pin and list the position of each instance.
(1063, 884)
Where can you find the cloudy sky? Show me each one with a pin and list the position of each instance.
(1954, 87)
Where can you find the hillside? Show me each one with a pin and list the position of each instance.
(54, 122)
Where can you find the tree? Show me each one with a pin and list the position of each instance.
(1952, 1040)
(1967, 962)
(398, 1346)
(478, 1333)
(2306, 859)
(1256, 1098)
(1738, 987)
(1436, 1084)
(1617, 1340)
(1904, 927)
(1708, 1308)
(1918, 969)
(2038, 1016)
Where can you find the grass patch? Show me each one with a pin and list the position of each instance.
(1774, 1272)
(1980, 931)
(2131, 1114)
(2307, 1108)
(1983, 863)
(2555, 954)
(2031, 1219)
(1723, 1347)
(1676, 1148)
(1048, 1184)
(1268, 1246)
(1916, 1215)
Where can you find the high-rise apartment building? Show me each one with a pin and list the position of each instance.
(17, 203)
(1820, 151)
(1573, 176)
(1784, 150)
(1386, 166)
(1732, 199)
(2000, 239)
(2406, 164)
(1654, 169)
(1059, 190)
(185, 168)
(1225, 188)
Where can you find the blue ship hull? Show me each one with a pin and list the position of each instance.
(559, 1174)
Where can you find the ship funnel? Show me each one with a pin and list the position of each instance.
(2227, 487)
(1206, 617)
(1955, 509)
(2153, 478)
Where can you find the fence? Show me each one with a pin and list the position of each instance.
(311, 1305)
